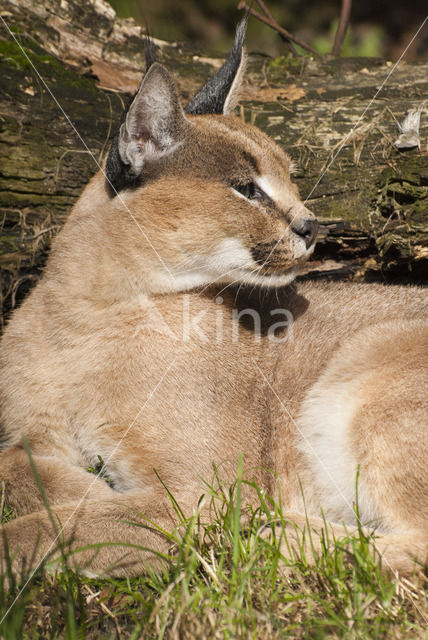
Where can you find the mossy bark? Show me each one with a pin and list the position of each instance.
(328, 114)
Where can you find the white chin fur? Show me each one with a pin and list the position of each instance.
(254, 278)
(186, 282)
(230, 262)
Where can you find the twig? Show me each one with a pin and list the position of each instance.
(94, 596)
(3, 498)
(271, 22)
(342, 27)
(268, 14)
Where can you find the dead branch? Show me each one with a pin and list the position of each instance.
(272, 23)
(342, 27)
(268, 14)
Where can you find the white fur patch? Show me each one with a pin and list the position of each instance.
(230, 262)
(200, 270)
(188, 281)
(255, 278)
(231, 252)
(269, 188)
(325, 426)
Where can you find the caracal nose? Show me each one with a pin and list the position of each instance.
(306, 228)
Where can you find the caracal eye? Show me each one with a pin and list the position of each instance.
(249, 190)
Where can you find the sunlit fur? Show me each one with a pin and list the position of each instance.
(135, 346)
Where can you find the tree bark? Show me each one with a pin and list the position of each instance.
(69, 63)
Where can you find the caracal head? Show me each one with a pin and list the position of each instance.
(212, 195)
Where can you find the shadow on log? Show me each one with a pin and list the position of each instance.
(329, 114)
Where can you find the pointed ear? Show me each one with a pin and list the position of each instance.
(149, 52)
(220, 92)
(153, 126)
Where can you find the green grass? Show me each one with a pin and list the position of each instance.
(225, 580)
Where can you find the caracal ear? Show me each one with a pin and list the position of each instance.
(220, 93)
(153, 127)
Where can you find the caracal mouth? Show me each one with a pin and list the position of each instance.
(277, 278)
(232, 263)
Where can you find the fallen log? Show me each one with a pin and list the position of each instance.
(67, 69)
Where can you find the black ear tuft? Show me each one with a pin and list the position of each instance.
(149, 52)
(215, 96)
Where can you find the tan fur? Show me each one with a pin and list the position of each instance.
(99, 361)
